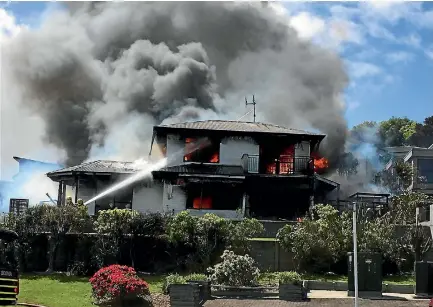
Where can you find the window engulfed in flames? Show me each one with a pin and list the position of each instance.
(320, 163)
(194, 150)
(285, 160)
(202, 203)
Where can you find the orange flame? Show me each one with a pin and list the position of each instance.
(215, 158)
(320, 163)
(202, 203)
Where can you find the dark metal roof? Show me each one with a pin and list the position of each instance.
(204, 169)
(99, 166)
(238, 126)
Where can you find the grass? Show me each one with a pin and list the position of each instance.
(59, 290)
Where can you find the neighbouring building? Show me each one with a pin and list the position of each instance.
(229, 168)
(16, 189)
(421, 160)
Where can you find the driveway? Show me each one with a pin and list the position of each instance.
(346, 302)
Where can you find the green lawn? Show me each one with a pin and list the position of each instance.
(65, 291)
(62, 291)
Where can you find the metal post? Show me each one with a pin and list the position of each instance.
(355, 254)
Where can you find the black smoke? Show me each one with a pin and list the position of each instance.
(102, 73)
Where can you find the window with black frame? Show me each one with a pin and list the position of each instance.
(425, 171)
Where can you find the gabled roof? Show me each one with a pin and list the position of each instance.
(99, 166)
(236, 126)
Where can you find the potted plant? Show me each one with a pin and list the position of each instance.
(290, 286)
(204, 282)
(181, 292)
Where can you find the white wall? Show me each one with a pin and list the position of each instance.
(302, 149)
(174, 198)
(231, 150)
(175, 150)
(148, 198)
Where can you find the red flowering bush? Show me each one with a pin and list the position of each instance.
(116, 284)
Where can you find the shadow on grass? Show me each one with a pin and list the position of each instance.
(60, 277)
(64, 278)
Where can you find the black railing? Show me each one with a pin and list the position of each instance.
(284, 165)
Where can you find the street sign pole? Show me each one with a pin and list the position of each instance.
(355, 254)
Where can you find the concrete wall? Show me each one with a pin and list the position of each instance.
(232, 150)
(147, 197)
(302, 149)
(175, 150)
(227, 214)
(271, 257)
(174, 198)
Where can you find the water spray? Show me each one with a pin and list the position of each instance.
(148, 169)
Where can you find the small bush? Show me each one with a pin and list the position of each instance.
(117, 285)
(235, 270)
(196, 277)
(290, 278)
(172, 279)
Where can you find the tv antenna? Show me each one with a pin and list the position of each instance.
(254, 106)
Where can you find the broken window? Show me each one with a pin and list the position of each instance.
(201, 150)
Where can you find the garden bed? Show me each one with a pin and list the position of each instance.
(244, 292)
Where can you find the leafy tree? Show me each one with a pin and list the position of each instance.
(396, 131)
(324, 239)
(348, 165)
(27, 226)
(316, 242)
(398, 178)
(423, 136)
(415, 241)
(58, 221)
(112, 226)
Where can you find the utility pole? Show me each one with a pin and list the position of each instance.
(254, 106)
(355, 253)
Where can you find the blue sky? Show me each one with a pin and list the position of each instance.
(387, 48)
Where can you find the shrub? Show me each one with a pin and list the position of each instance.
(196, 277)
(235, 270)
(290, 278)
(172, 279)
(115, 285)
(240, 232)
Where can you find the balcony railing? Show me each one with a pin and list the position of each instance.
(285, 165)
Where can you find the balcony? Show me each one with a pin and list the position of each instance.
(285, 165)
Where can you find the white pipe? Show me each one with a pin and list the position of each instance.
(355, 254)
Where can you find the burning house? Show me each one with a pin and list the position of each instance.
(229, 168)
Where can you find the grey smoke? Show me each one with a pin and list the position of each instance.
(104, 73)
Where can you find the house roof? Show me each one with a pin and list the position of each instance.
(204, 169)
(20, 159)
(99, 166)
(236, 126)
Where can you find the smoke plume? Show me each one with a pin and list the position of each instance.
(100, 75)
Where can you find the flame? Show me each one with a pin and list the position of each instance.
(215, 158)
(202, 203)
(192, 145)
(320, 163)
(286, 162)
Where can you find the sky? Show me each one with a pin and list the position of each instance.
(386, 46)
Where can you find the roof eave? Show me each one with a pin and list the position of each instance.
(162, 130)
